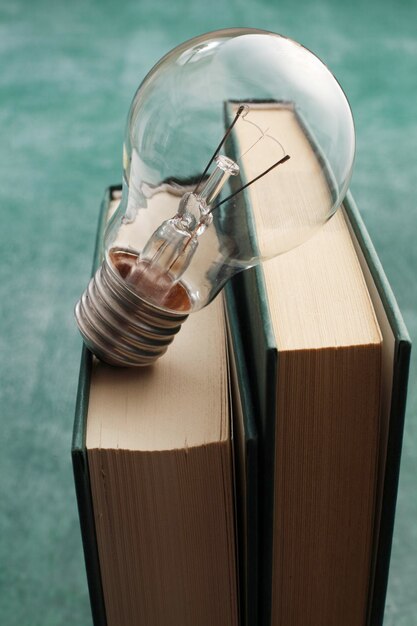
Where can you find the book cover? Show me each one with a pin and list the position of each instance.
(390, 316)
(78, 449)
(245, 437)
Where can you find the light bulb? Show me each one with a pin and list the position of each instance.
(208, 137)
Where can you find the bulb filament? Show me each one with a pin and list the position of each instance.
(169, 251)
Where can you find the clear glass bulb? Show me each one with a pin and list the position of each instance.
(211, 119)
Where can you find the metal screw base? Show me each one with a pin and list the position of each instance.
(118, 326)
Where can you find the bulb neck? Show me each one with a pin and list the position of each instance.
(119, 326)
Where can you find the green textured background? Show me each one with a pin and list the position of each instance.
(68, 73)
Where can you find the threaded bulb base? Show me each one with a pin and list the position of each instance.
(120, 327)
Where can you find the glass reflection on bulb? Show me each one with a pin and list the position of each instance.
(183, 226)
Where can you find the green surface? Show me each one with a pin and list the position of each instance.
(68, 73)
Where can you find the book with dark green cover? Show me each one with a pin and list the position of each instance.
(252, 321)
(79, 453)
(192, 578)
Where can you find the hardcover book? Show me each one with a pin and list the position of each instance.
(327, 354)
(152, 456)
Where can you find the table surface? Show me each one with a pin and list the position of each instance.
(68, 73)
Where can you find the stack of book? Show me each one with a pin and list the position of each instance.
(249, 477)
